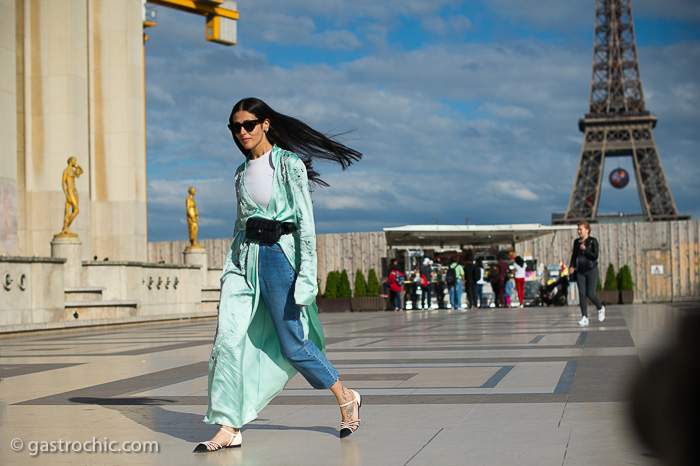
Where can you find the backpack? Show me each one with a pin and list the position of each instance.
(476, 273)
(423, 281)
(451, 276)
(398, 278)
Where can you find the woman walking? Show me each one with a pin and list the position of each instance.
(584, 263)
(268, 327)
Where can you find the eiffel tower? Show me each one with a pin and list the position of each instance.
(617, 123)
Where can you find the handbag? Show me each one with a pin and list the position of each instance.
(267, 231)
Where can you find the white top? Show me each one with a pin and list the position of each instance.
(519, 271)
(481, 280)
(258, 179)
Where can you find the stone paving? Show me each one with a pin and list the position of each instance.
(439, 387)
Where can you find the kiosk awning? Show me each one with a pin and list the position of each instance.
(459, 236)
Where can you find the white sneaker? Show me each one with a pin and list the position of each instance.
(601, 314)
(583, 322)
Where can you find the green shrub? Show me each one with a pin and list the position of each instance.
(598, 286)
(610, 279)
(373, 288)
(624, 278)
(332, 284)
(344, 285)
(360, 284)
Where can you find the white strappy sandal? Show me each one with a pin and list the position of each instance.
(235, 442)
(347, 428)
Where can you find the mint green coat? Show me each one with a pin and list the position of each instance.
(246, 367)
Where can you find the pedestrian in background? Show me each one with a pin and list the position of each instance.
(502, 274)
(396, 280)
(415, 278)
(480, 283)
(519, 268)
(509, 291)
(471, 276)
(454, 278)
(426, 278)
(584, 263)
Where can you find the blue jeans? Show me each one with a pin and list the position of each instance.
(277, 278)
(480, 294)
(396, 299)
(455, 294)
(425, 296)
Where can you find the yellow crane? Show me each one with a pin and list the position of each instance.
(221, 17)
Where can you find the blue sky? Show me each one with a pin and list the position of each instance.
(463, 109)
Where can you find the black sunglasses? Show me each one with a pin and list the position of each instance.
(248, 125)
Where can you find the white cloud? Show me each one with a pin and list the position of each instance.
(514, 189)
(156, 93)
(453, 129)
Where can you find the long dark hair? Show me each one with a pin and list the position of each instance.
(293, 135)
(519, 260)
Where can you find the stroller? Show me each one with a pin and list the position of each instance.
(554, 294)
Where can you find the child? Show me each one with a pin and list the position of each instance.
(509, 291)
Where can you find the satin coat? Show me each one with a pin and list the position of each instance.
(246, 367)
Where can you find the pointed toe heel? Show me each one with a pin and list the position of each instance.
(235, 441)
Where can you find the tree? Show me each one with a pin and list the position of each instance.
(610, 279)
(344, 285)
(360, 284)
(332, 284)
(373, 288)
(624, 278)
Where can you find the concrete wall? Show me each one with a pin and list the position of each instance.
(52, 113)
(72, 85)
(8, 129)
(117, 129)
(159, 289)
(35, 294)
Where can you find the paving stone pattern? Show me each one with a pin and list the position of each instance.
(479, 387)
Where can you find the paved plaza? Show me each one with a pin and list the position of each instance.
(478, 387)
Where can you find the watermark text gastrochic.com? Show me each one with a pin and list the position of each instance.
(94, 445)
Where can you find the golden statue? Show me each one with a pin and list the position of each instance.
(72, 171)
(192, 219)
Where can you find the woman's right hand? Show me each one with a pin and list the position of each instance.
(571, 270)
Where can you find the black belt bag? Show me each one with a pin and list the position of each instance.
(267, 231)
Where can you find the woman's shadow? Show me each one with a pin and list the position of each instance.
(148, 412)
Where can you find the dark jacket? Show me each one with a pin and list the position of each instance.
(427, 271)
(471, 273)
(590, 254)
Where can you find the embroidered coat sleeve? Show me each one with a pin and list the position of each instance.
(306, 286)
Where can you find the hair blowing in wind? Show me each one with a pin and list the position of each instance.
(293, 135)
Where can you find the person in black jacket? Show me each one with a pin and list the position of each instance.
(471, 276)
(584, 264)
